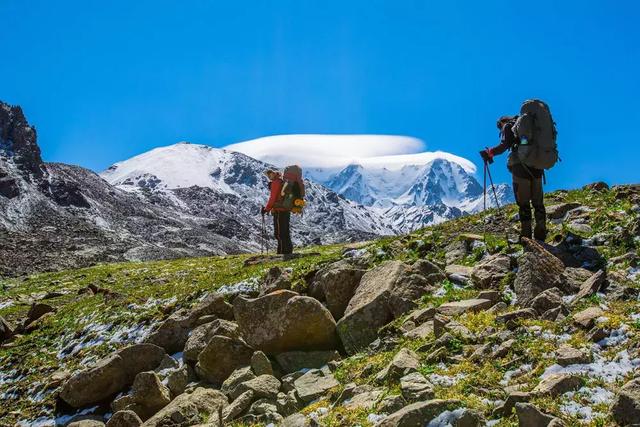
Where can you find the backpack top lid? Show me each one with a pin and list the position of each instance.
(293, 173)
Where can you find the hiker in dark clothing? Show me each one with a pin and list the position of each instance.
(527, 181)
(281, 216)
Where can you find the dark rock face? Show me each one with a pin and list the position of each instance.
(18, 140)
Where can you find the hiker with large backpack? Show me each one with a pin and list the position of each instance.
(286, 196)
(531, 137)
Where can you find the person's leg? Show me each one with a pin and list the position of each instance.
(522, 191)
(276, 231)
(537, 200)
(285, 232)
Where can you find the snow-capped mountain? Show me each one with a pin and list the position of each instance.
(208, 182)
(410, 190)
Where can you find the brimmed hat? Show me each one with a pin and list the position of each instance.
(271, 171)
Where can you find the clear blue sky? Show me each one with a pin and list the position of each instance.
(105, 80)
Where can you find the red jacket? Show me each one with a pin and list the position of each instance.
(276, 188)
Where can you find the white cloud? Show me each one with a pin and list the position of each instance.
(336, 151)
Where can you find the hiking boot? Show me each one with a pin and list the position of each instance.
(540, 232)
(525, 229)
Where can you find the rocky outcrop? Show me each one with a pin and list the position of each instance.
(335, 285)
(110, 375)
(285, 321)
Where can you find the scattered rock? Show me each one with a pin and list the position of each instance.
(420, 332)
(490, 271)
(89, 421)
(404, 362)
(590, 286)
(178, 379)
(538, 270)
(191, 409)
(314, 384)
(586, 318)
(6, 330)
(506, 408)
(287, 403)
(172, 334)
(560, 210)
(416, 387)
(38, 310)
(201, 335)
(460, 307)
(626, 408)
(418, 414)
(260, 364)
(491, 295)
(236, 378)
(567, 355)
(513, 317)
(285, 321)
(124, 418)
(296, 360)
(574, 279)
(546, 300)
(336, 284)
(430, 271)
(530, 416)
(557, 384)
(238, 406)
(110, 375)
(148, 394)
(596, 186)
(421, 315)
(458, 273)
(264, 386)
(221, 357)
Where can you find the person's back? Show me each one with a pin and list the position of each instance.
(281, 215)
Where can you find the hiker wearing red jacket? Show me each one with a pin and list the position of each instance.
(281, 215)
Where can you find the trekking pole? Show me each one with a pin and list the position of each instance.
(262, 236)
(495, 195)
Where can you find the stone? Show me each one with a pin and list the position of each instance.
(213, 304)
(492, 295)
(148, 394)
(596, 186)
(415, 386)
(177, 380)
(489, 272)
(87, 422)
(506, 408)
(201, 335)
(538, 271)
(456, 250)
(38, 310)
(546, 300)
(437, 355)
(285, 321)
(404, 362)
(236, 378)
(296, 360)
(421, 315)
(264, 407)
(221, 357)
(287, 403)
(514, 317)
(314, 384)
(423, 331)
(586, 318)
(557, 384)
(335, 285)
(580, 228)
(124, 418)
(296, 420)
(6, 330)
(590, 286)
(503, 349)
(530, 416)
(567, 355)
(276, 279)
(429, 271)
(366, 398)
(418, 414)
(574, 279)
(263, 386)
(560, 210)
(458, 273)
(172, 334)
(459, 307)
(238, 406)
(191, 409)
(553, 314)
(385, 293)
(626, 408)
(110, 375)
(260, 364)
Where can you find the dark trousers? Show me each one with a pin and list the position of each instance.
(529, 192)
(282, 232)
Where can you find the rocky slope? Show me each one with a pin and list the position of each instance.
(445, 326)
(55, 216)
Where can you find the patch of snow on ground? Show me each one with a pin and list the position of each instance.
(633, 273)
(5, 304)
(574, 406)
(515, 373)
(510, 296)
(320, 412)
(617, 337)
(447, 418)
(608, 371)
(445, 380)
(355, 253)
(375, 418)
(244, 287)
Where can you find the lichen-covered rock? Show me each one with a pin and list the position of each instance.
(221, 357)
(546, 300)
(285, 321)
(490, 271)
(314, 384)
(201, 335)
(124, 418)
(110, 375)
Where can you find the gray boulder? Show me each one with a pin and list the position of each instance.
(538, 270)
(110, 375)
(296, 360)
(201, 335)
(221, 357)
(285, 321)
(404, 362)
(335, 285)
(314, 384)
(530, 416)
(489, 272)
(190, 409)
(124, 418)
(626, 408)
(418, 414)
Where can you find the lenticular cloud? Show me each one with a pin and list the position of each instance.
(337, 151)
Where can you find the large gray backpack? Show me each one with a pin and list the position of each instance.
(536, 133)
